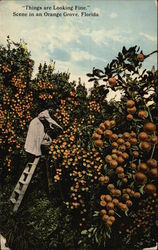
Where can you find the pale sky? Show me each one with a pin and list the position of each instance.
(77, 44)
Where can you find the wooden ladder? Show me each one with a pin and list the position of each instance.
(23, 183)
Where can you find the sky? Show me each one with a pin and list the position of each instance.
(79, 43)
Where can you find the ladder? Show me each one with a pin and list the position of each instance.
(22, 184)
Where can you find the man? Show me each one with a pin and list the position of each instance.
(37, 133)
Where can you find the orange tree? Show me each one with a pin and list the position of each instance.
(16, 69)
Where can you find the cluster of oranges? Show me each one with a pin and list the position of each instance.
(62, 114)
(45, 85)
(94, 106)
(124, 162)
(5, 68)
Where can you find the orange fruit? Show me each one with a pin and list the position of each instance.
(136, 195)
(140, 57)
(108, 133)
(115, 201)
(114, 144)
(99, 131)
(110, 205)
(113, 163)
(133, 141)
(103, 212)
(110, 186)
(142, 167)
(99, 143)
(149, 127)
(135, 154)
(122, 148)
(108, 158)
(143, 136)
(119, 170)
(112, 218)
(114, 137)
(96, 136)
(153, 172)
(111, 212)
(140, 178)
(145, 146)
(150, 188)
(102, 126)
(130, 103)
(109, 223)
(129, 117)
(108, 198)
(133, 165)
(127, 144)
(154, 139)
(103, 203)
(132, 110)
(106, 179)
(105, 217)
(126, 135)
(142, 114)
(152, 163)
(112, 81)
(107, 124)
(129, 203)
(120, 141)
(112, 123)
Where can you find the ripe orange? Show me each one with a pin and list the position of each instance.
(133, 165)
(153, 172)
(110, 205)
(126, 135)
(129, 203)
(130, 103)
(142, 114)
(136, 195)
(142, 167)
(99, 143)
(140, 57)
(154, 139)
(120, 141)
(108, 158)
(149, 127)
(112, 81)
(96, 136)
(143, 136)
(111, 212)
(114, 137)
(108, 198)
(140, 178)
(152, 163)
(110, 186)
(107, 124)
(103, 212)
(102, 126)
(99, 131)
(112, 123)
(132, 110)
(145, 146)
(129, 117)
(113, 163)
(115, 201)
(108, 133)
(135, 154)
(150, 188)
(119, 170)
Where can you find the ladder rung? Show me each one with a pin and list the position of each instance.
(13, 200)
(22, 182)
(17, 191)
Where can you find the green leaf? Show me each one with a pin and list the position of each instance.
(84, 232)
